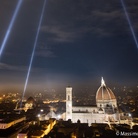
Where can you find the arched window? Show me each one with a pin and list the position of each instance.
(68, 97)
(107, 105)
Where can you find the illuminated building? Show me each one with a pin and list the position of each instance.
(7, 123)
(105, 111)
(30, 104)
(11, 124)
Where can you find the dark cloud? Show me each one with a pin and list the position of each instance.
(104, 19)
(4, 66)
(44, 51)
(18, 68)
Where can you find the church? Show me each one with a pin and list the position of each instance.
(105, 111)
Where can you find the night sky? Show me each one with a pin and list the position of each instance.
(79, 42)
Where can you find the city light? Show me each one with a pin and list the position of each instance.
(42, 110)
(129, 115)
(38, 115)
(58, 116)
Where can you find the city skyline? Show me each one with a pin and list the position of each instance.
(79, 42)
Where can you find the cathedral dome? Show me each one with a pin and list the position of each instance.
(104, 93)
(30, 100)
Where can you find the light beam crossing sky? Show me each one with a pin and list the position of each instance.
(10, 27)
(33, 52)
(129, 22)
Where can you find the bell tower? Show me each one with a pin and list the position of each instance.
(68, 103)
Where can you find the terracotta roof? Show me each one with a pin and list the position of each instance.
(30, 100)
(104, 93)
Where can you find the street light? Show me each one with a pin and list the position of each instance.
(42, 110)
(58, 116)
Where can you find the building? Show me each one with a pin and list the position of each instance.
(6, 123)
(29, 104)
(105, 111)
(38, 130)
(11, 124)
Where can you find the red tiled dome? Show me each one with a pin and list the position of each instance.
(104, 93)
(30, 100)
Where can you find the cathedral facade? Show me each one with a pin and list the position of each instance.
(105, 111)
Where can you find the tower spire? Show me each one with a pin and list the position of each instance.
(102, 82)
